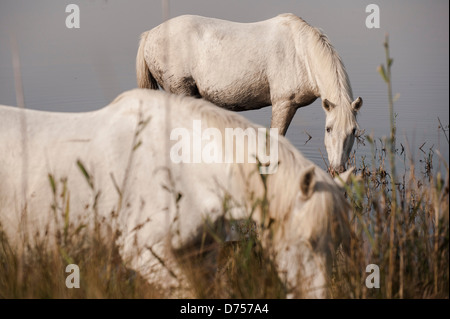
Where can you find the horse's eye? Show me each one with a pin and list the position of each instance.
(328, 129)
(354, 131)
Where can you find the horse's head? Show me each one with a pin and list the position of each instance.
(340, 130)
(316, 226)
(321, 204)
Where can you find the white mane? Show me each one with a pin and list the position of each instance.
(291, 163)
(328, 69)
(325, 60)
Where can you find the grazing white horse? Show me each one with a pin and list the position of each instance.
(115, 161)
(283, 62)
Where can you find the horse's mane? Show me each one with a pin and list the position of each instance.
(326, 56)
(325, 60)
(283, 186)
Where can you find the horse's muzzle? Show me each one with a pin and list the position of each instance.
(338, 170)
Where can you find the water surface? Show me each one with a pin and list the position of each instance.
(74, 70)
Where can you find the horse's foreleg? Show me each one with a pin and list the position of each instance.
(282, 114)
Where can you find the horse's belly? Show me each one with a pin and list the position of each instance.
(237, 94)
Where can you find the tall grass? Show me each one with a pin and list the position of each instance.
(35, 266)
(400, 222)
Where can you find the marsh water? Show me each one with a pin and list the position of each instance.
(76, 70)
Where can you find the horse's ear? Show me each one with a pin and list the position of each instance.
(307, 182)
(344, 178)
(327, 105)
(356, 104)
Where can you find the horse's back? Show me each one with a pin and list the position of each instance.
(57, 145)
(238, 66)
(181, 52)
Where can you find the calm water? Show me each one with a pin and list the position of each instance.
(84, 69)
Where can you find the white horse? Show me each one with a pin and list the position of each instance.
(116, 159)
(283, 62)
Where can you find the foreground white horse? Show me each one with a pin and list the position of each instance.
(117, 160)
(283, 62)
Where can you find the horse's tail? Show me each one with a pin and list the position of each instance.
(145, 78)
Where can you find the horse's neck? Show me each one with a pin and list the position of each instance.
(328, 76)
(337, 91)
